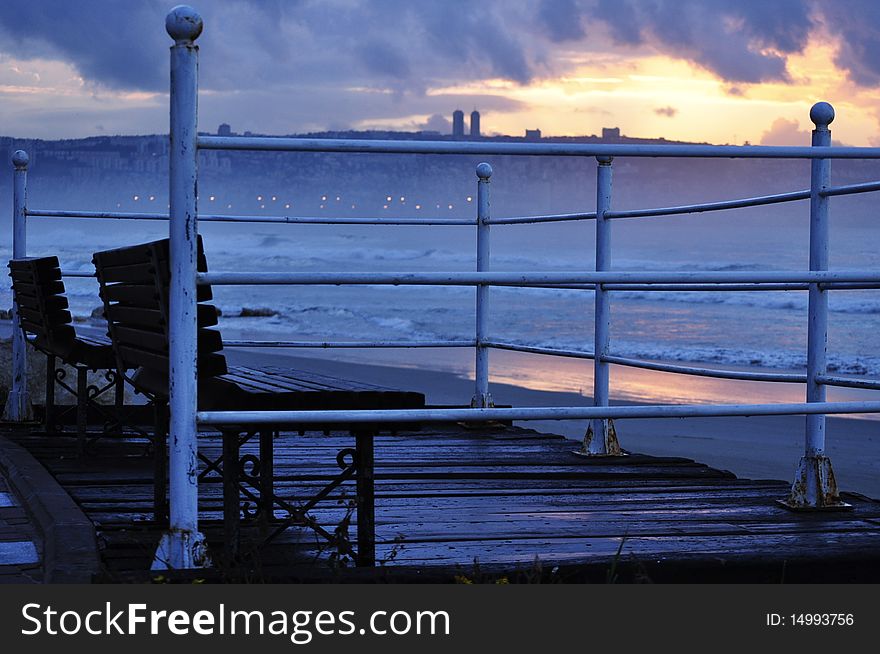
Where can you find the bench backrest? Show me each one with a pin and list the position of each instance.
(135, 284)
(39, 296)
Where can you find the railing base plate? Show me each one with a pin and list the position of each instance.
(181, 550)
(18, 407)
(788, 504)
(607, 446)
(591, 455)
(814, 487)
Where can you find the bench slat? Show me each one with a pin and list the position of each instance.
(47, 318)
(59, 333)
(209, 339)
(142, 295)
(34, 263)
(36, 277)
(209, 365)
(34, 290)
(123, 256)
(260, 377)
(153, 318)
(51, 303)
(138, 273)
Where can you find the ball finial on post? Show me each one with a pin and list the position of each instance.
(484, 170)
(822, 114)
(183, 24)
(20, 159)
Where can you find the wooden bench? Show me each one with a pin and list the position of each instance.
(135, 284)
(39, 296)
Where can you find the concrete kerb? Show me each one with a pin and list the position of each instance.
(70, 546)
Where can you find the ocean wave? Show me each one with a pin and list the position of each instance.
(854, 302)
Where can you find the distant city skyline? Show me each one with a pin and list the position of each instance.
(693, 70)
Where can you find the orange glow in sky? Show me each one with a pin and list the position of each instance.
(658, 96)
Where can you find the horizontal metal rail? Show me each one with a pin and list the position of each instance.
(640, 287)
(283, 144)
(839, 286)
(791, 378)
(224, 218)
(534, 349)
(850, 189)
(756, 201)
(350, 344)
(711, 206)
(530, 413)
(532, 279)
(116, 215)
(549, 218)
(848, 382)
(77, 273)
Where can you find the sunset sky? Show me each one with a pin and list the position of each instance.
(722, 71)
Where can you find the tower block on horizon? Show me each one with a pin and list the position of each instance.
(458, 124)
(475, 124)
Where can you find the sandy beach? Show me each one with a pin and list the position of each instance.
(758, 448)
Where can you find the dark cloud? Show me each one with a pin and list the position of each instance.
(384, 60)
(123, 45)
(474, 33)
(106, 40)
(669, 112)
(856, 23)
(561, 19)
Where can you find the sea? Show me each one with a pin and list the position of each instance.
(744, 330)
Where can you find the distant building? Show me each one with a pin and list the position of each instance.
(533, 134)
(458, 123)
(224, 130)
(475, 124)
(611, 133)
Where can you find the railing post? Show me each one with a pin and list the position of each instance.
(183, 546)
(601, 438)
(814, 485)
(18, 402)
(482, 399)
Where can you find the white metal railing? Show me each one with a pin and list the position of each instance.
(814, 485)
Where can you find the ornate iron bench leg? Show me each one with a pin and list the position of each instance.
(50, 392)
(119, 391)
(231, 498)
(267, 487)
(366, 500)
(116, 419)
(82, 409)
(160, 458)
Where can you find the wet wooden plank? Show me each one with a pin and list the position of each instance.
(502, 495)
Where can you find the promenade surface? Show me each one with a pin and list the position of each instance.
(20, 561)
(477, 502)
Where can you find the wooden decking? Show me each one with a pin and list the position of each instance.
(498, 501)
